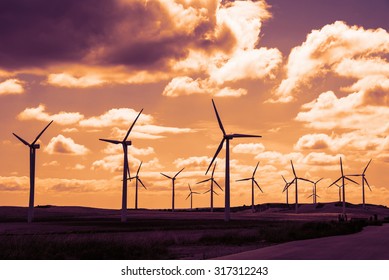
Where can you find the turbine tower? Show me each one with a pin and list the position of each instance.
(33, 146)
(173, 180)
(364, 180)
(191, 193)
(211, 190)
(343, 177)
(253, 181)
(314, 193)
(226, 138)
(340, 191)
(136, 177)
(125, 143)
(295, 180)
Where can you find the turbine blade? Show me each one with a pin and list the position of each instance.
(21, 140)
(143, 185)
(178, 172)
(40, 134)
(334, 183)
(255, 170)
(294, 172)
(203, 181)
(137, 172)
(355, 175)
(213, 171)
(195, 192)
(319, 180)
(128, 170)
(351, 180)
(341, 166)
(309, 196)
(128, 132)
(188, 196)
(207, 191)
(167, 176)
(190, 188)
(215, 193)
(367, 183)
(284, 179)
(307, 180)
(258, 186)
(218, 185)
(218, 118)
(237, 135)
(246, 179)
(217, 152)
(111, 141)
(366, 167)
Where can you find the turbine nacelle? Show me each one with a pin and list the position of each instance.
(35, 146)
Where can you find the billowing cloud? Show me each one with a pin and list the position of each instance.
(64, 145)
(67, 80)
(193, 162)
(313, 141)
(333, 49)
(249, 148)
(11, 86)
(39, 113)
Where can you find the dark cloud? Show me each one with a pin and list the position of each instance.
(99, 32)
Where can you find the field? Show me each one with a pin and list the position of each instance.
(89, 233)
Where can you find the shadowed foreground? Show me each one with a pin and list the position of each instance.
(371, 243)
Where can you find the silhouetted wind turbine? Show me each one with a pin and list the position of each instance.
(211, 190)
(314, 193)
(126, 169)
(173, 179)
(343, 177)
(136, 184)
(364, 180)
(286, 188)
(227, 138)
(295, 180)
(340, 191)
(33, 146)
(191, 193)
(253, 181)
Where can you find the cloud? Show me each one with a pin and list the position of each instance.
(11, 86)
(332, 49)
(249, 148)
(78, 166)
(64, 145)
(51, 163)
(314, 142)
(201, 162)
(38, 113)
(67, 80)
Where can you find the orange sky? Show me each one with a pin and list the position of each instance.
(311, 77)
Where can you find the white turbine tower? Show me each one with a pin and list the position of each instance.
(125, 143)
(173, 180)
(211, 190)
(253, 181)
(33, 147)
(343, 177)
(226, 138)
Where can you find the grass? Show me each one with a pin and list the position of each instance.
(155, 239)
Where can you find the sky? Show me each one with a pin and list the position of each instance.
(310, 77)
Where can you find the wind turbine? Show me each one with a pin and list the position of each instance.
(295, 180)
(314, 193)
(364, 180)
(286, 188)
(253, 181)
(191, 196)
(136, 184)
(343, 177)
(33, 146)
(211, 190)
(173, 179)
(340, 191)
(227, 138)
(125, 143)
